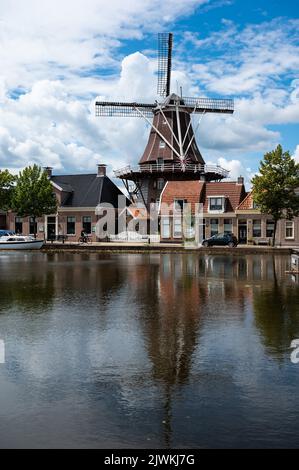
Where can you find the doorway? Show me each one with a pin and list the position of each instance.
(242, 232)
(51, 228)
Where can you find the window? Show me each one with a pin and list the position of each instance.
(160, 161)
(86, 224)
(31, 226)
(216, 204)
(289, 229)
(254, 205)
(165, 227)
(214, 227)
(228, 225)
(270, 228)
(71, 226)
(18, 225)
(256, 228)
(177, 227)
(179, 204)
(162, 144)
(160, 183)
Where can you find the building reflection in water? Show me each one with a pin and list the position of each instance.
(123, 326)
(181, 292)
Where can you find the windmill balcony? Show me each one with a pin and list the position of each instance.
(169, 168)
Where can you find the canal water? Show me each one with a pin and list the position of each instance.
(148, 350)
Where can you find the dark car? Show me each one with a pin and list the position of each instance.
(221, 239)
(6, 233)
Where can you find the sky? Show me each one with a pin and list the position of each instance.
(57, 57)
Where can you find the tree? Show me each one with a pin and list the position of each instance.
(274, 188)
(6, 189)
(33, 195)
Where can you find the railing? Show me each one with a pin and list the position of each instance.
(217, 169)
(171, 168)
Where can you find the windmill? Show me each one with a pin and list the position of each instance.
(171, 152)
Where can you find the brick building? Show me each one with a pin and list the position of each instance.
(78, 197)
(258, 228)
(219, 201)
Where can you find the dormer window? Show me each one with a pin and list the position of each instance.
(179, 204)
(216, 203)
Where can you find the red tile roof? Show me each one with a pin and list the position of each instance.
(188, 190)
(247, 203)
(200, 191)
(233, 192)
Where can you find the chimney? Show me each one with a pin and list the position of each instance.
(102, 169)
(48, 170)
(240, 180)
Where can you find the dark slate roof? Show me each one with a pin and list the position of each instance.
(87, 190)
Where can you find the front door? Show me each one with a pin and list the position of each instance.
(242, 232)
(51, 228)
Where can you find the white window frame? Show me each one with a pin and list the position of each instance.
(29, 223)
(177, 221)
(162, 144)
(89, 216)
(19, 220)
(230, 224)
(175, 207)
(260, 227)
(217, 211)
(292, 227)
(268, 223)
(215, 225)
(165, 222)
(70, 217)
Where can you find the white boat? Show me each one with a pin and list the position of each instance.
(19, 242)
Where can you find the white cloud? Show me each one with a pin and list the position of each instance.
(236, 168)
(296, 154)
(52, 38)
(54, 54)
(49, 126)
(234, 134)
(248, 60)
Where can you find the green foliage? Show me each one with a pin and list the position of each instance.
(33, 195)
(274, 188)
(6, 189)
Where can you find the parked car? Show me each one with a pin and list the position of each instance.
(6, 233)
(221, 239)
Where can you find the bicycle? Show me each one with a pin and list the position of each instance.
(87, 239)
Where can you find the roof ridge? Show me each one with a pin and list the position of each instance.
(76, 174)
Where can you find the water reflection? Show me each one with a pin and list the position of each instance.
(147, 350)
(276, 317)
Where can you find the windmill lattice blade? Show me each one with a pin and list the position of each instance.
(165, 41)
(209, 105)
(120, 109)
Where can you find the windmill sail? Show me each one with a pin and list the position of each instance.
(165, 41)
(122, 109)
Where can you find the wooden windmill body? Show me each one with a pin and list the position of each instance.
(171, 152)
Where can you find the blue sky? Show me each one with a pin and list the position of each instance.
(58, 56)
